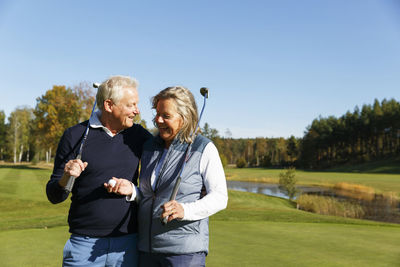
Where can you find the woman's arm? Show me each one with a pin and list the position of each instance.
(214, 180)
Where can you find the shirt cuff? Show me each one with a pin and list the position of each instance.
(185, 212)
(134, 195)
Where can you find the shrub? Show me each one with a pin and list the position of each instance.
(330, 206)
(241, 163)
(287, 181)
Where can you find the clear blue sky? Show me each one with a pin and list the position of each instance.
(271, 66)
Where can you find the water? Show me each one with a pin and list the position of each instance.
(271, 189)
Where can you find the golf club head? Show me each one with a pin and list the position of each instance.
(96, 85)
(204, 91)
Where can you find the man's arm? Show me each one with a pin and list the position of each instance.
(55, 186)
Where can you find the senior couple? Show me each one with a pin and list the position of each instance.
(121, 225)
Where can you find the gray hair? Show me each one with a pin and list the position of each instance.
(186, 107)
(112, 88)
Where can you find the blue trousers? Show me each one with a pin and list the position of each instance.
(105, 251)
(172, 260)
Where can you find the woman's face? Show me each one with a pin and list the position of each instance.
(168, 121)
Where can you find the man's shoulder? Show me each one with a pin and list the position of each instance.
(77, 129)
(138, 132)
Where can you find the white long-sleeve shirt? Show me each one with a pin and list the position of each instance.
(214, 181)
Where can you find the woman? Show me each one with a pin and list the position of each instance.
(183, 241)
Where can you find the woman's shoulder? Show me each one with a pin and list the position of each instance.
(200, 142)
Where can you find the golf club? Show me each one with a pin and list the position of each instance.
(204, 93)
(71, 180)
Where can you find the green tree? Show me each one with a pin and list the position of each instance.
(209, 132)
(241, 163)
(287, 180)
(3, 134)
(19, 132)
(292, 148)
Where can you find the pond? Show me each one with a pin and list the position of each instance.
(377, 206)
(272, 189)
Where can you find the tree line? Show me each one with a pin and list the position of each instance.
(369, 133)
(372, 132)
(32, 134)
(360, 136)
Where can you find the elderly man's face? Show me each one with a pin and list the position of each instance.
(126, 109)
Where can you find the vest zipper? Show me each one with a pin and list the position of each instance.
(151, 222)
(165, 163)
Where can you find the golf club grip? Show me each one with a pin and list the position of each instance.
(173, 196)
(70, 184)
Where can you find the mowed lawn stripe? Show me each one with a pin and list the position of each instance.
(33, 247)
(25, 204)
(33, 186)
(9, 180)
(302, 244)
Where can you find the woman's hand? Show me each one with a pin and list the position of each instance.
(172, 210)
(121, 187)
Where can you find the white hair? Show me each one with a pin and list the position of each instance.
(112, 88)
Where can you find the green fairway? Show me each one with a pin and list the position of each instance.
(255, 230)
(302, 244)
(33, 247)
(23, 202)
(382, 182)
(258, 230)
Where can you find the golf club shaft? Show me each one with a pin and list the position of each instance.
(164, 220)
(71, 180)
(70, 183)
(173, 196)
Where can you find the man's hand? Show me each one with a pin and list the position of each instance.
(121, 187)
(74, 168)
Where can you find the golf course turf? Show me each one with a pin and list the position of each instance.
(255, 230)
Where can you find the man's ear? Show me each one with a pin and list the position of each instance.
(108, 105)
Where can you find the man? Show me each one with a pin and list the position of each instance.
(103, 226)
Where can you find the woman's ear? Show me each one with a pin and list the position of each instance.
(108, 104)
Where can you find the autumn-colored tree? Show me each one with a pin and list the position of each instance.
(55, 111)
(86, 98)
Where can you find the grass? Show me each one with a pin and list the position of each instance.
(257, 243)
(33, 247)
(389, 165)
(255, 230)
(381, 182)
(23, 202)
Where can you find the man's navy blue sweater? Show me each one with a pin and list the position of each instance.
(95, 212)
